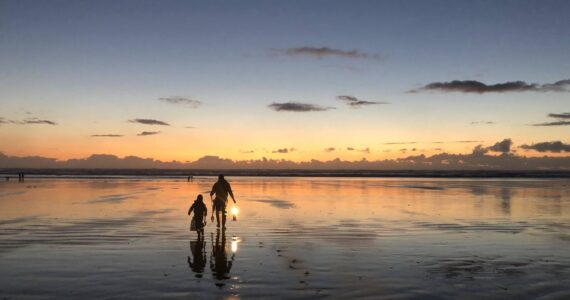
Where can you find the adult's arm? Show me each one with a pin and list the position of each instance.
(213, 191)
(231, 192)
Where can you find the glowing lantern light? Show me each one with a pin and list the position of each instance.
(234, 211)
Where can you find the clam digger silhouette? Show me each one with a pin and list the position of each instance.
(219, 195)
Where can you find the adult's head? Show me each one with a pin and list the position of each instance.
(221, 177)
(199, 198)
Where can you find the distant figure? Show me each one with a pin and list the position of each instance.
(219, 262)
(200, 212)
(190, 178)
(198, 261)
(21, 177)
(221, 189)
(7, 178)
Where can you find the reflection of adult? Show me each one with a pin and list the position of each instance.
(221, 189)
(219, 262)
(198, 261)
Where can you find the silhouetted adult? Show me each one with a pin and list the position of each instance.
(221, 189)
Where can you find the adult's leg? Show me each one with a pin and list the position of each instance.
(224, 216)
(218, 217)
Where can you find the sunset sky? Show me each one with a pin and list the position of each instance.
(178, 80)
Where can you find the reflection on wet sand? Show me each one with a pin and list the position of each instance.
(198, 261)
(219, 262)
(298, 238)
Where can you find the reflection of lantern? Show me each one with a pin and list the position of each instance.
(234, 244)
(234, 211)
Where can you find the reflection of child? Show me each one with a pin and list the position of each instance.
(200, 212)
(198, 261)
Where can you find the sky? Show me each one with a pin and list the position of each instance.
(293, 80)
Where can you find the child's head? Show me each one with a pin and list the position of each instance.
(199, 198)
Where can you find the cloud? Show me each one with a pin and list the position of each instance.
(190, 127)
(364, 150)
(556, 146)
(557, 123)
(297, 107)
(399, 143)
(562, 120)
(472, 86)
(468, 141)
(145, 133)
(33, 121)
(482, 123)
(503, 146)
(478, 160)
(149, 122)
(560, 115)
(330, 149)
(247, 151)
(320, 52)
(283, 150)
(181, 100)
(479, 150)
(356, 103)
(38, 121)
(107, 135)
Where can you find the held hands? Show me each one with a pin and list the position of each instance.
(212, 218)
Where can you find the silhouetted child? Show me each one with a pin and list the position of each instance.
(200, 212)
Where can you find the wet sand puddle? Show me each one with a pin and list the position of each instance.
(294, 238)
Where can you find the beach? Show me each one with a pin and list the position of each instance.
(294, 238)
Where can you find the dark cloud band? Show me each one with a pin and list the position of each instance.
(472, 86)
(556, 146)
(297, 107)
(107, 135)
(181, 100)
(149, 122)
(356, 103)
(32, 121)
(284, 150)
(562, 120)
(320, 52)
(145, 133)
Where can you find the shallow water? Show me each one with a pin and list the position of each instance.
(294, 238)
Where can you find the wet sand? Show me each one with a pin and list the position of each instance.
(295, 238)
